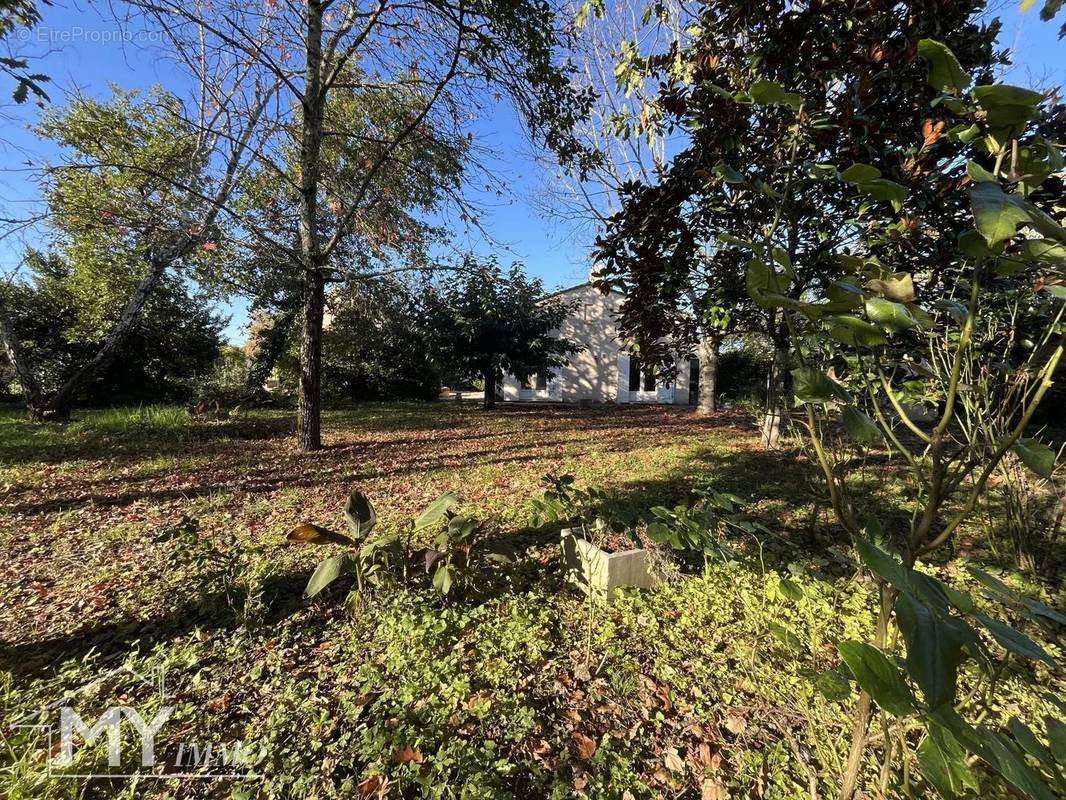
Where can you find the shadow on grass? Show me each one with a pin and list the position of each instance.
(26, 442)
(357, 457)
(282, 596)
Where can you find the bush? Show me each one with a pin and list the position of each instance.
(742, 374)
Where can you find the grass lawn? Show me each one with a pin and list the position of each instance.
(719, 684)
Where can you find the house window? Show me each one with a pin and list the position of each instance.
(542, 380)
(639, 379)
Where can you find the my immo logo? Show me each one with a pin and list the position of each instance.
(109, 722)
(192, 758)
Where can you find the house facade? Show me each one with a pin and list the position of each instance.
(603, 372)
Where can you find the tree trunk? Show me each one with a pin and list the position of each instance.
(309, 403)
(709, 349)
(60, 403)
(312, 108)
(31, 391)
(271, 347)
(776, 395)
(490, 388)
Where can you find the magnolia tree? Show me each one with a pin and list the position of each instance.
(871, 350)
(864, 96)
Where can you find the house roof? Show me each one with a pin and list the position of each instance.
(586, 284)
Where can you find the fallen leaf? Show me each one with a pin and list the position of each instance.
(219, 703)
(673, 760)
(407, 754)
(374, 786)
(735, 723)
(712, 790)
(584, 746)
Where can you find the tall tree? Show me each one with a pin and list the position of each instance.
(487, 322)
(632, 139)
(435, 59)
(61, 313)
(130, 200)
(854, 68)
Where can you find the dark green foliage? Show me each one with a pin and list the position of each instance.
(373, 349)
(486, 322)
(742, 374)
(15, 14)
(170, 349)
(729, 97)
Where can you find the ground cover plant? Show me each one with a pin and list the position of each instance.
(170, 551)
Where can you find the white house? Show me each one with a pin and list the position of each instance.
(603, 372)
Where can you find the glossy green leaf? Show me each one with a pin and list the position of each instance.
(963, 732)
(860, 173)
(996, 214)
(1007, 106)
(885, 190)
(945, 72)
(938, 596)
(855, 332)
(442, 579)
(811, 385)
(890, 315)
(878, 676)
(943, 762)
(861, 427)
(1036, 455)
(1056, 734)
(844, 292)
(1038, 609)
(764, 285)
(435, 511)
(822, 172)
(979, 174)
(1010, 763)
(934, 648)
(1014, 640)
(1042, 222)
(328, 571)
(727, 173)
(1044, 250)
(883, 564)
(1028, 741)
(999, 588)
(771, 93)
(965, 133)
(360, 514)
(974, 245)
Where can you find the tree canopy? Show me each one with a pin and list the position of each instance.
(488, 321)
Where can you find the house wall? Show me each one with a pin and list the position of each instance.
(594, 373)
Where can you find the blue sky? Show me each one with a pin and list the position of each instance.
(79, 48)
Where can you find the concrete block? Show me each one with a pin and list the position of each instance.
(597, 572)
